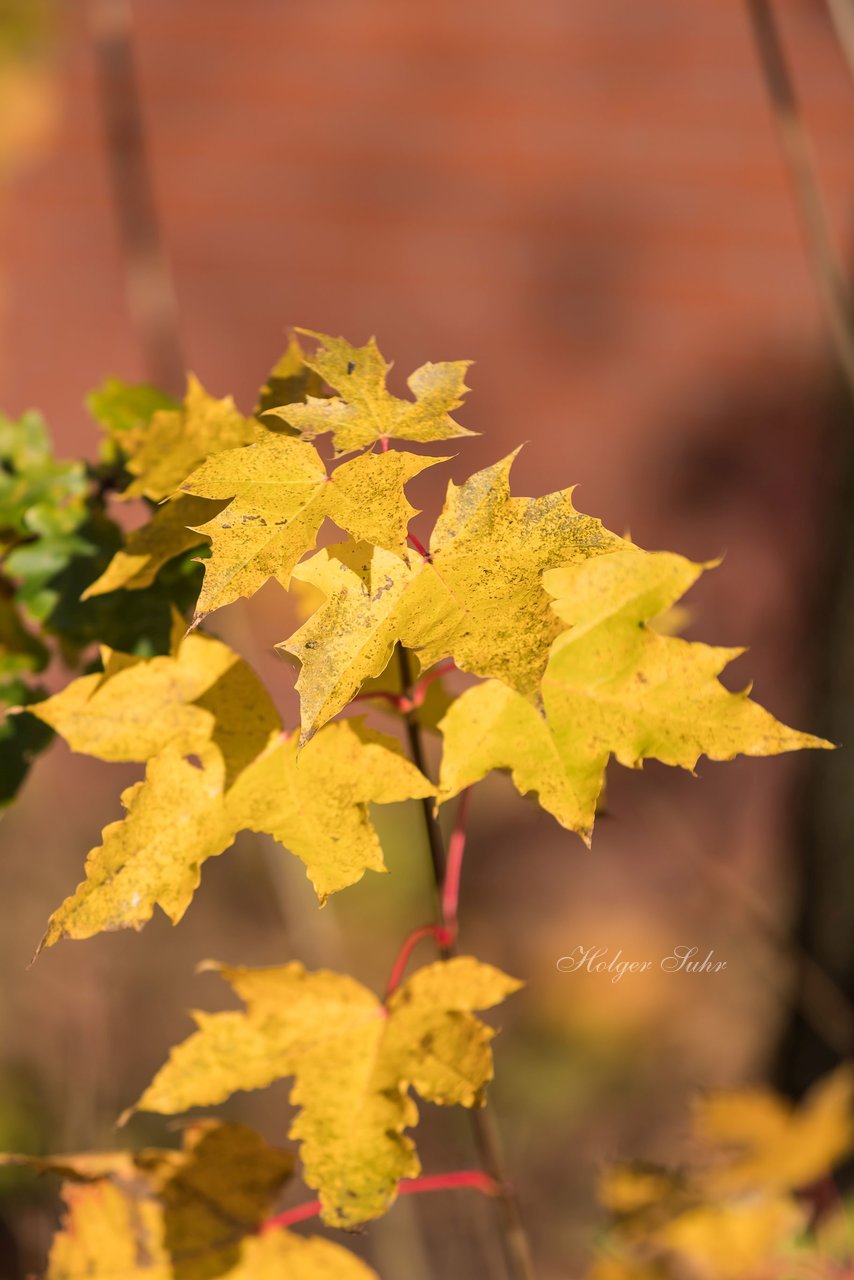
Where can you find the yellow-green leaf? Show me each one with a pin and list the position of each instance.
(479, 599)
(147, 549)
(316, 805)
(354, 1060)
(364, 410)
(177, 440)
(278, 495)
(492, 727)
(613, 686)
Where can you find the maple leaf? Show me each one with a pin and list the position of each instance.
(613, 686)
(728, 1241)
(202, 699)
(184, 1215)
(176, 819)
(316, 805)
(355, 1061)
(774, 1143)
(177, 440)
(278, 494)
(364, 410)
(478, 599)
(166, 535)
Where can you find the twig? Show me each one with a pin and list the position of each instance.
(517, 1250)
(419, 547)
(827, 268)
(436, 931)
(842, 16)
(817, 997)
(476, 1179)
(150, 291)
(453, 871)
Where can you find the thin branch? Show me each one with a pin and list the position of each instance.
(487, 1140)
(419, 547)
(818, 998)
(151, 296)
(842, 16)
(402, 702)
(475, 1179)
(453, 872)
(443, 938)
(827, 267)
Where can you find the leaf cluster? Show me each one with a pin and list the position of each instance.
(545, 621)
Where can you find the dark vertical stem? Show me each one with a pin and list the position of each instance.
(434, 831)
(148, 278)
(827, 269)
(826, 820)
(486, 1136)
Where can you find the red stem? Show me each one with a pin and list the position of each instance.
(419, 546)
(446, 932)
(437, 931)
(419, 690)
(383, 444)
(404, 703)
(474, 1178)
(454, 866)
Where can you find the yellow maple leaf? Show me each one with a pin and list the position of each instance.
(202, 699)
(478, 599)
(364, 410)
(147, 549)
(177, 440)
(729, 1241)
(278, 495)
(773, 1143)
(191, 1214)
(612, 686)
(355, 1060)
(316, 805)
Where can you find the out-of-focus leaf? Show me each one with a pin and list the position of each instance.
(192, 1214)
(290, 381)
(124, 410)
(22, 737)
(149, 548)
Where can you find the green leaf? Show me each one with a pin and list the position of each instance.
(22, 738)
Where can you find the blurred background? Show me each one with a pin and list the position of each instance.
(588, 198)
